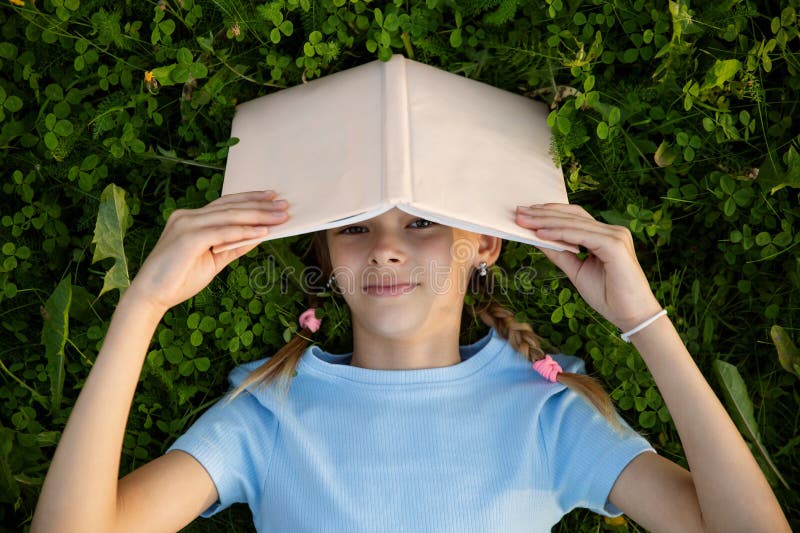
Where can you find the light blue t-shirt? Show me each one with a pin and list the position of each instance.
(484, 445)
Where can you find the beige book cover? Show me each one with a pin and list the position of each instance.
(350, 146)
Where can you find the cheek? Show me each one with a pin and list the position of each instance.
(340, 254)
(446, 273)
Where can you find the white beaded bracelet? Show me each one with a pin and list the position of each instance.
(625, 336)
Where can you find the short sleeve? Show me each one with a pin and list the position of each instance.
(234, 443)
(586, 453)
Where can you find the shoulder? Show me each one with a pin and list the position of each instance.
(517, 377)
(240, 372)
(516, 360)
(254, 392)
(273, 396)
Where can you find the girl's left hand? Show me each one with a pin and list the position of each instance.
(610, 279)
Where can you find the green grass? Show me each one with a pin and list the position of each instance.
(676, 124)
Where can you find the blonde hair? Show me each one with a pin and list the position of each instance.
(282, 366)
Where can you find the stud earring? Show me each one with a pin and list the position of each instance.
(482, 267)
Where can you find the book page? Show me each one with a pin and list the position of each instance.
(318, 145)
(477, 152)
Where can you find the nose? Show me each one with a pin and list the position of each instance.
(387, 248)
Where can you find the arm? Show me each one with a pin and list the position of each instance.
(81, 491)
(725, 490)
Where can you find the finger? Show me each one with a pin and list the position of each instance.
(555, 217)
(559, 208)
(223, 259)
(217, 237)
(568, 262)
(552, 227)
(602, 245)
(542, 221)
(271, 205)
(232, 216)
(239, 196)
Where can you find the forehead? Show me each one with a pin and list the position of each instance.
(392, 214)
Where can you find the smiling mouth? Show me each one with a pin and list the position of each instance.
(390, 290)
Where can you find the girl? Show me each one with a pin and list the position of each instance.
(410, 432)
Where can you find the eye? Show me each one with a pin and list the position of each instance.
(430, 223)
(346, 232)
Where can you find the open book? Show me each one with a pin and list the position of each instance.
(354, 144)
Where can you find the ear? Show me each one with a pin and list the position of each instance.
(489, 248)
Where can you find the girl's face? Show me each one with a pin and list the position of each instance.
(395, 249)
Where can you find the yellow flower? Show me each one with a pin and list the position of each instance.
(616, 521)
(150, 82)
(17, 2)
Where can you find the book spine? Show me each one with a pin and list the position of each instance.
(396, 142)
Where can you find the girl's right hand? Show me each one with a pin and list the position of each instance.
(182, 262)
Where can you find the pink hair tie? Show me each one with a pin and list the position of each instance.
(548, 368)
(309, 320)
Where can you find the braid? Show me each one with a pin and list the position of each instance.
(521, 337)
(280, 367)
(519, 334)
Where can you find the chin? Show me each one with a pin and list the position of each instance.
(395, 323)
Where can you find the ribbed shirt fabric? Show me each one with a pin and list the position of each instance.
(483, 445)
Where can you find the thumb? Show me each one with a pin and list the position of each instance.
(566, 260)
(223, 259)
